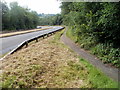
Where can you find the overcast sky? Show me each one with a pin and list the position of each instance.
(41, 6)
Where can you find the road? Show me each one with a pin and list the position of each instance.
(9, 43)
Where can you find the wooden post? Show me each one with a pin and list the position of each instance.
(43, 36)
(36, 39)
(47, 35)
(26, 44)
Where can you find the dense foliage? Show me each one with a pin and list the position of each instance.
(96, 26)
(16, 17)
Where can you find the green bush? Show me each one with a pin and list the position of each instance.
(104, 51)
(107, 53)
(95, 26)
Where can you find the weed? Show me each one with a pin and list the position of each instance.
(9, 81)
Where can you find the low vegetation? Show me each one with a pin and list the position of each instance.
(105, 52)
(95, 26)
(50, 64)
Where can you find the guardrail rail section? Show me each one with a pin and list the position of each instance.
(32, 39)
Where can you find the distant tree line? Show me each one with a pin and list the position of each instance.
(16, 17)
(45, 15)
(50, 19)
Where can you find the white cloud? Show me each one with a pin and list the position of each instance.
(41, 6)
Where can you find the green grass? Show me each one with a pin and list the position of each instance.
(82, 70)
(97, 78)
(93, 75)
(69, 33)
(73, 72)
(56, 39)
(103, 51)
(21, 80)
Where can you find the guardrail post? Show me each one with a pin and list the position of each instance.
(36, 39)
(26, 43)
(43, 36)
(47, 35)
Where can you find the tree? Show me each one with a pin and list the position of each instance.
(96, 19)
(51, 20)
(5, 15)
(17, 17)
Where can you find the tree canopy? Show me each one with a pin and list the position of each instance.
(96, 27)
(17, 17)
(98, 19)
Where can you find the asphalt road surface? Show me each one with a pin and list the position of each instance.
(9, 43)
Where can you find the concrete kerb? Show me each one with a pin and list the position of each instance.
(27, 41)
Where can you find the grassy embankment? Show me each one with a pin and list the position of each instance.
(49, 63)
(105, 52)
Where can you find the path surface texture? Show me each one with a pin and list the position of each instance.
(109, 71)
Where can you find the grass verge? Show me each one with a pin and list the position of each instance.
(97, 78)
(50, 64)
(103, 51)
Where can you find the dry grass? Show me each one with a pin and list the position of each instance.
(20, 32)
(47, 63)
